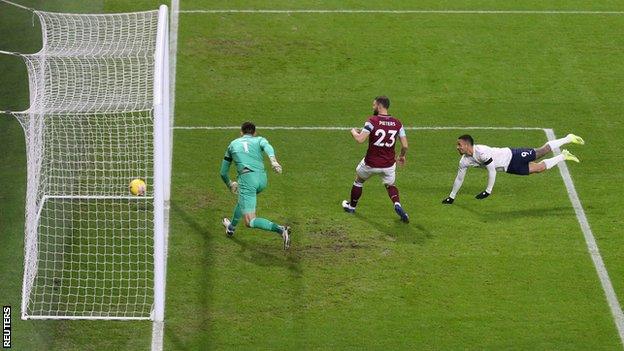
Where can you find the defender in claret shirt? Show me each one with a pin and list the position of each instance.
(382, 131)
(515, 161)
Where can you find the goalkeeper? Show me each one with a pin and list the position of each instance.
(246, 152)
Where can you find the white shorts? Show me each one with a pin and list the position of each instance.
(388, 175)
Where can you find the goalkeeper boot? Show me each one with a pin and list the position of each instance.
(575, 139)
(567, 155)
(286, 236)
(229, 228)
(347, 207)
(401, 212)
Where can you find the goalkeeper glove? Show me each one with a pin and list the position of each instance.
(448, 201)
(275, 165)
(233, 187)
(482, 195)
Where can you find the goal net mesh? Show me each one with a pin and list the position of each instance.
(89, 131)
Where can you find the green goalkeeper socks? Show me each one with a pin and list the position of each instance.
(265, 224)
(237, 215)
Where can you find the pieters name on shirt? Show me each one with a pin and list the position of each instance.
(6, 327)
(387, 123)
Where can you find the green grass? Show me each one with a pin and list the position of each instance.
(509, 272)
(474, 275)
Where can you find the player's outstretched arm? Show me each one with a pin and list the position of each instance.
(359, 135)
(268, 149)
(401, 158)
(491, 180)
(459, 180)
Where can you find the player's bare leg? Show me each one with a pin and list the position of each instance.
(393, 193)
(356, 193)
(252, 221)
(540, 152)
(557, 143)
(538, 167)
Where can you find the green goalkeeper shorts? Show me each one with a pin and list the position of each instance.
(249, 185)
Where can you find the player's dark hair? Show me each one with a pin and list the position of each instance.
(383, 101)
(467, 138)
(248, 128)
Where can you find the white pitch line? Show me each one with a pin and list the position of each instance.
(592, 246)
(461, 12)
(58, 317)
(349, 128)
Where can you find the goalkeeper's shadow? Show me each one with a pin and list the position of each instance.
(264, 256)
(260, 255)
(198, 236)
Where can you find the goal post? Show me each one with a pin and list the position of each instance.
(162, 174)
(98, 117)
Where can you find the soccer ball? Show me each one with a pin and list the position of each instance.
(137, 187)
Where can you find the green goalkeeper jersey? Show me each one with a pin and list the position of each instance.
(246, 152)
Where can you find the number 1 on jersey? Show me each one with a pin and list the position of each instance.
(246, 146)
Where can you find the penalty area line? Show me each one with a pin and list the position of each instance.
(349, 128)
(447, 12)
(592, 246)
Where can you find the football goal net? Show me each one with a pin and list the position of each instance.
(98, 118)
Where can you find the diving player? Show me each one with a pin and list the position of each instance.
(515, 161)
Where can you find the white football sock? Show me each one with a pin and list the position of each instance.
(552, 162)
(557, 143)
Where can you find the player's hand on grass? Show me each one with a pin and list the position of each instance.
(276, 166)
(448, 201)
(401, 160)
(482, 195)
(233, 187)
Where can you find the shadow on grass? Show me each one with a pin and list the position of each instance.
(269, 254)
(275, 256)
(204, 288)
(265, 256)
(515, 214)
(171, 336)
(535, 212)
(401, 231)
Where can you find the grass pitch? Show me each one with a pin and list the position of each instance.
(508, 272)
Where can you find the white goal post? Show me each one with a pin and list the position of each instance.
(98, 117)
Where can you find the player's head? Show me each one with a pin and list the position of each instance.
(248, 128)
(464, 144)
(381, 103)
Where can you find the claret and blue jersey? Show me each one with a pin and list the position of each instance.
(384, 130)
